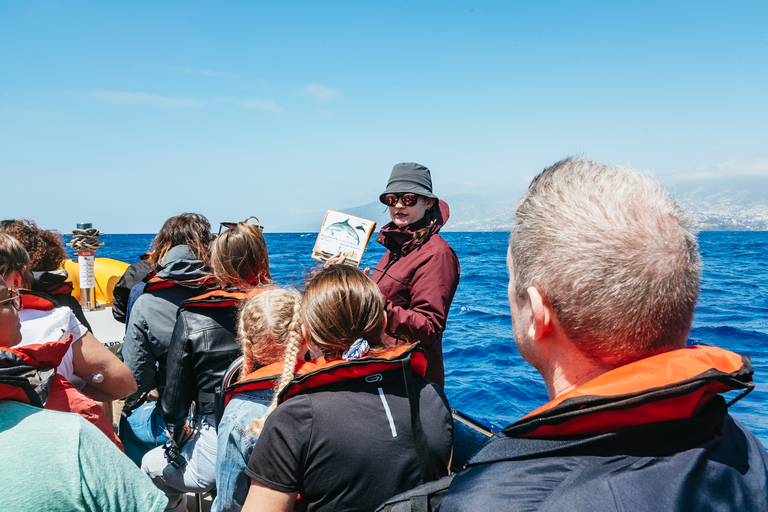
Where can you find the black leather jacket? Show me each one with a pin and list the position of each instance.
(203, 345)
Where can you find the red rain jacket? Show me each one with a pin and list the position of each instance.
(418, 280)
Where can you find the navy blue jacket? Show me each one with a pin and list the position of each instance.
(700, 459)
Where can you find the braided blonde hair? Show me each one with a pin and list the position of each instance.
(269, 328)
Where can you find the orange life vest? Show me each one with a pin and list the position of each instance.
(31, 299)
(665, 387)
(158, 283)
(221, 298)
(319, 372)
(54, 392)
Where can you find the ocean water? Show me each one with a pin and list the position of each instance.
(485, 376)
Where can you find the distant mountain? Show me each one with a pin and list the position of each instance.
(735, 203)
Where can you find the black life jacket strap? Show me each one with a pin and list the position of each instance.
(133, 402)
(426, 465)
(204, 397)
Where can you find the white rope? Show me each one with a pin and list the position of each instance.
(85, 239)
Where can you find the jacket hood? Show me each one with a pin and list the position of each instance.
(52, 281)
(180, 264)
(669, 386)
(396, 239)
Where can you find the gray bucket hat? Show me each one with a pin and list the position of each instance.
(409, 177)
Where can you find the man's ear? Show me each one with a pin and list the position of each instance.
(541, 314)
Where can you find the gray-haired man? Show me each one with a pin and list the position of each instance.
(604, 278)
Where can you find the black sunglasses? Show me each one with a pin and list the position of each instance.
(15, 298)
(406, 199)
(230, 225)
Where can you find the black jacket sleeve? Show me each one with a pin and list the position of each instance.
(133, 275)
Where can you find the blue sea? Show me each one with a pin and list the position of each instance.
(485, 376)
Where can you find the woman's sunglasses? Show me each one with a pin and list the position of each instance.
(406, 199)
(15, 298)
(230, 225)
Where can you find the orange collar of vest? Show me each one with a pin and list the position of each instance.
(64, 288)
(221, 298)
(42, 355)
(31, 299)
(319, 372)
(158, 283)
(665, 387)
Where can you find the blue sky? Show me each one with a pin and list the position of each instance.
(126, 113)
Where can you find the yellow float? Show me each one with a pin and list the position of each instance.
(107, 271)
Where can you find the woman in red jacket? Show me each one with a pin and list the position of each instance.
(419, 273)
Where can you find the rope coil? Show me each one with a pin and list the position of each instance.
(85, 239)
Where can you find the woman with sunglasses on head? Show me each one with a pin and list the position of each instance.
(419, 273)
(203, 345)
(180, 261)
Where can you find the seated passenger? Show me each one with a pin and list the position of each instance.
(181, 259)
(88, 365)
(344, 436)
(268, 330)
(203, 346)
(36, 364)
(604, 274)
(52, 460)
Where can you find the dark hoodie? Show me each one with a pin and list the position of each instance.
(55, 284)
(418, 280)
(132, 276)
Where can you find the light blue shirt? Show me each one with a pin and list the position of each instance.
(57, 461)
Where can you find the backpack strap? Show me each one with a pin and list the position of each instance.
(423, 498)
(426, 465)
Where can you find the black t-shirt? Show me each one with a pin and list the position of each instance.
(349, 446)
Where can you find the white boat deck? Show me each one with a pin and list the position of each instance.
(104, 326)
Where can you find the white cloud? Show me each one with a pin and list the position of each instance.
(152, 100)
(39, 112)
(756, 165)
(206, 72)
(260, 105)
(320, 91)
